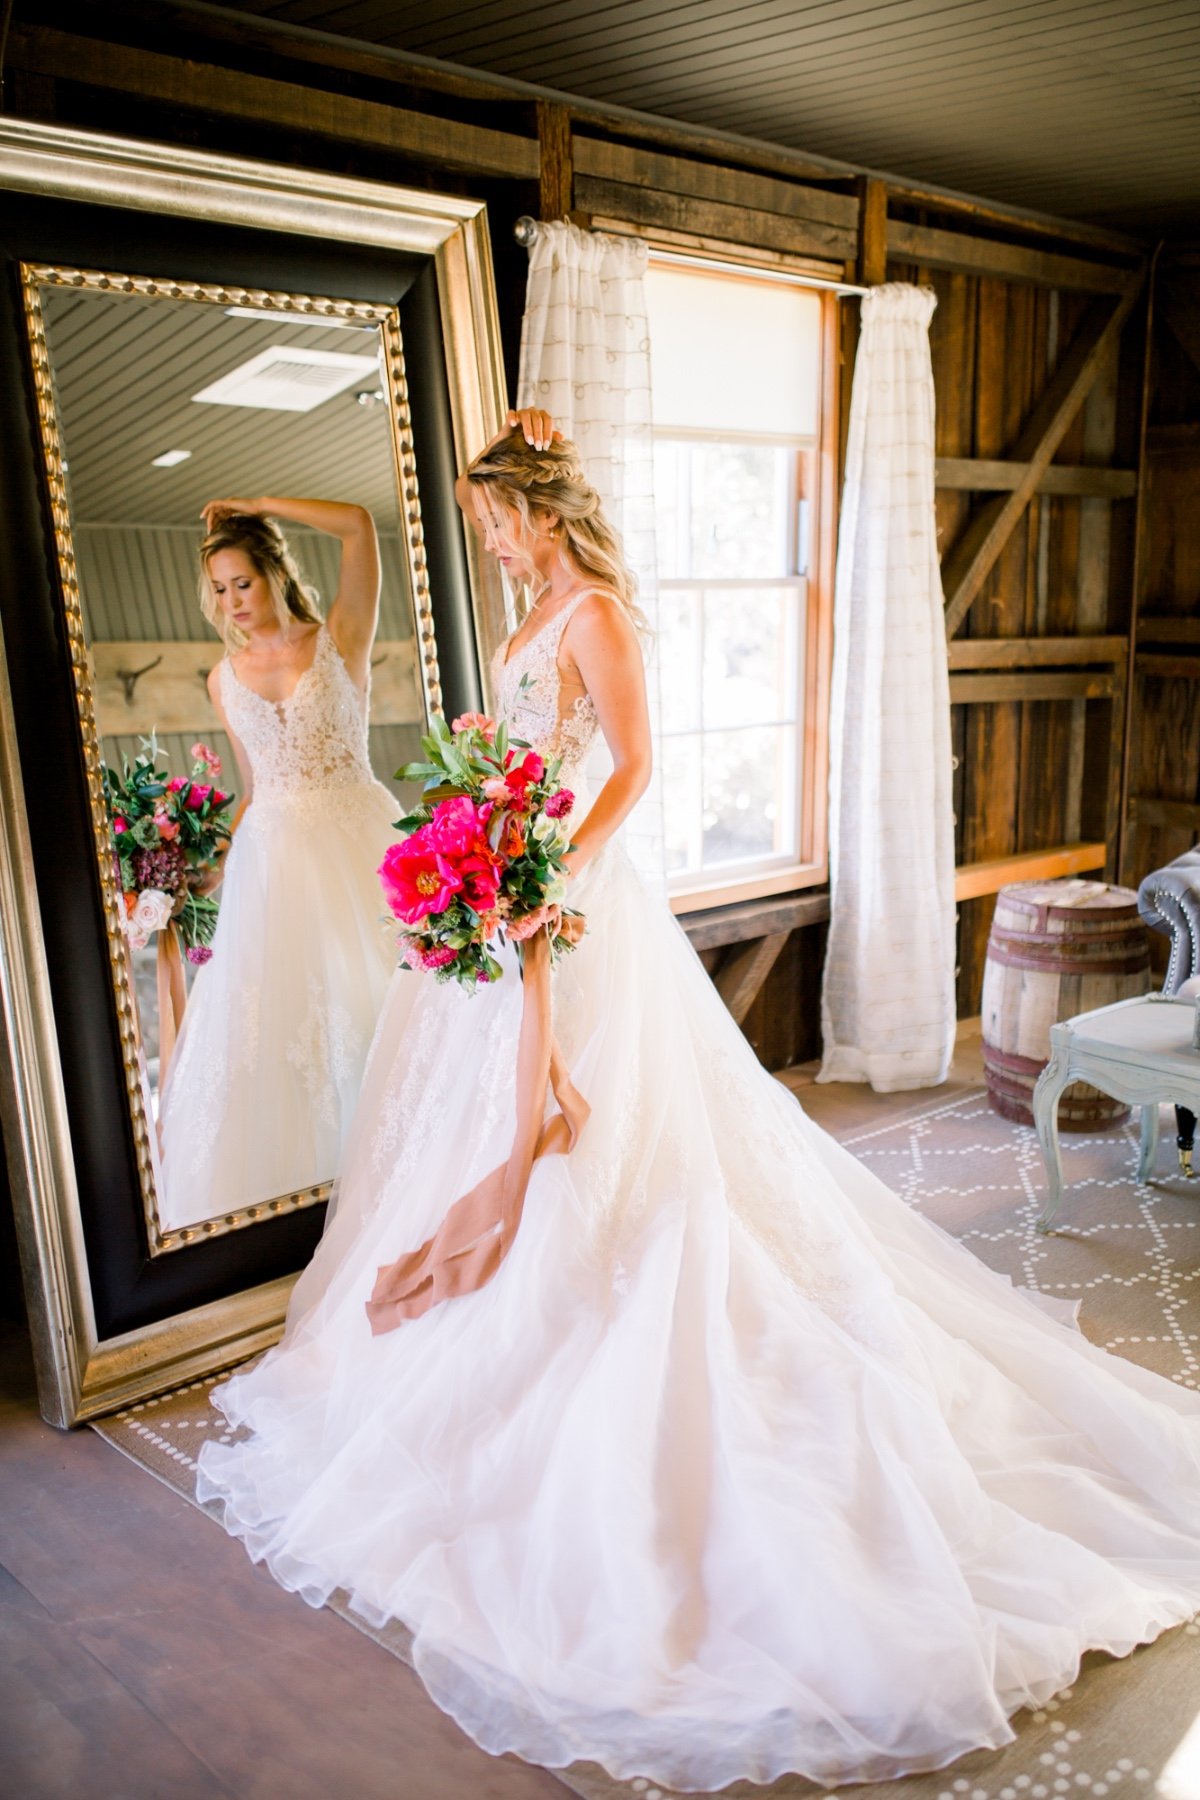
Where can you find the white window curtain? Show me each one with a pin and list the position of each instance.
(888, 1011)
(585, 358)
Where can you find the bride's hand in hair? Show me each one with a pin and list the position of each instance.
(538, 427)
(212, 510)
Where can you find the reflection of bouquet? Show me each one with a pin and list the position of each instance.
(482, 856)
(167, 835)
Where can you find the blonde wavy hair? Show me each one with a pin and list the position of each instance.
(551, 481)
(260, 539)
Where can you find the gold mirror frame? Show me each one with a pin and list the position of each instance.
(80, 1375)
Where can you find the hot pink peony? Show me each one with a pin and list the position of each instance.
(560, 804)
(417, 880)
(176, 783)
(199, 794)
(120, 825)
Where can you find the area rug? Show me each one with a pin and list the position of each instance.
(1131, 1254)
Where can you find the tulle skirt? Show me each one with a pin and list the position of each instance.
(738, 1466)
(269, 1062)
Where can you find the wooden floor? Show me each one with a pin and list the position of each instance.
(143, 1655)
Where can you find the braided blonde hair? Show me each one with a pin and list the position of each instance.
(552, 481)
(263, 542)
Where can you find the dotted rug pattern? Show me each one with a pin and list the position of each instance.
(1127, 1730)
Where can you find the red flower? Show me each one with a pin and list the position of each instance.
(560, 803)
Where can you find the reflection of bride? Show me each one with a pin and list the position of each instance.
(270, 1057)
(736, 1466)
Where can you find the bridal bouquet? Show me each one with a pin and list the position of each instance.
(167, 835)
(481, 857)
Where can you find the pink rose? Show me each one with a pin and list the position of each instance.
(167, 828)
(120, 825)
(475, 722)
(200, 753)
(497, 789)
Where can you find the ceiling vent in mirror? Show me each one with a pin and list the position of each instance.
(288, 379)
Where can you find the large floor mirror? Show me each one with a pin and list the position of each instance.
(327, 339)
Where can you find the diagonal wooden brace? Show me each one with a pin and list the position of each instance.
(973, 557)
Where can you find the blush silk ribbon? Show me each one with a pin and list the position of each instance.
(172, 994)
(477, 1233)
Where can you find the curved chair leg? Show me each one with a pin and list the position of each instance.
(1149, 1142)
(1046, 1095)
(1185, 1123)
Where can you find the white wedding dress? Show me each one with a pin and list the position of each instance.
(269, 1061)
(737, 1466)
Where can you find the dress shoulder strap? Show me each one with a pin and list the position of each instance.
(568, 611)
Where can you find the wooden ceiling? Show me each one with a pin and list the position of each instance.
(1089, 109)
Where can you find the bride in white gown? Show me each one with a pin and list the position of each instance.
(737, 1466)
(265, 1075)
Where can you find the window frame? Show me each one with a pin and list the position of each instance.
(810, 868)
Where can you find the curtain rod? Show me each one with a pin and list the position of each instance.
(526, 233)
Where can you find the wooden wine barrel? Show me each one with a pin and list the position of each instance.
(1056, 948)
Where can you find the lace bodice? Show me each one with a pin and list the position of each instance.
(316, 738)
(528, 690)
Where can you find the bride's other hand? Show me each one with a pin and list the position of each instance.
(212, 510)
(520, 929)
(537, 427)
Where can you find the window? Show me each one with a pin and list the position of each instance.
(742, 469)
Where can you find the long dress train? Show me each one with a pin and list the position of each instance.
(264, 1078)
(737, 1466)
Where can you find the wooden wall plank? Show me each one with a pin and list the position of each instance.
(940, 249)
(177, 82)
(556, 166)
(1025, 652)
(975, 475)
(619, 163)
(712, 218)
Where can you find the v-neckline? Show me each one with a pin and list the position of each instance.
(510, 643)
(277, 706)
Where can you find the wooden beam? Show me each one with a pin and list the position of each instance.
(977, 475)
(202, 87)
(711, 218)
(1169, 815)
(618, 163)
(1159, 629)
(1025, 653)
(872, 231)
(1187, 668)
(744, 970)
(1067, 684)
(1011, 262)
(971, 560)
(974, 880)
(556, 172)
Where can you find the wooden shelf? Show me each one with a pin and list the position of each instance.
(973, 881)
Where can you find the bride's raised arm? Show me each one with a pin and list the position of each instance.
(604, 646)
